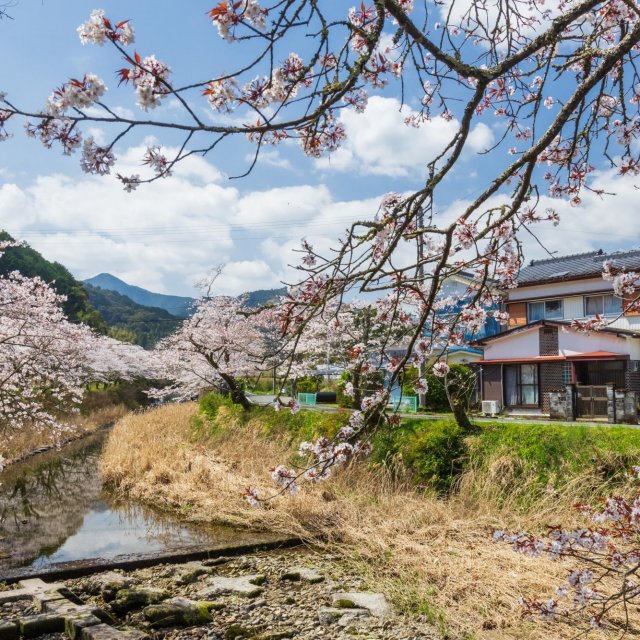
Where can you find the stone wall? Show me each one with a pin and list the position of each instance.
(621, 406)
(561, 405)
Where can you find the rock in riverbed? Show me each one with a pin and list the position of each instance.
(180, 612)
(129, 599)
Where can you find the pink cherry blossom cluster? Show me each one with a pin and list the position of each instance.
(320, 458)
(441, 369)
(76, 94)
(98, 30)
(226, 16)
(155, 159)
(149, 77)
(624, 282)
(59, 130)
(465, 233)
(96, 158)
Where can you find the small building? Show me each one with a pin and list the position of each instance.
(542, 360)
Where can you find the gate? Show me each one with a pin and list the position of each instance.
(592, 401)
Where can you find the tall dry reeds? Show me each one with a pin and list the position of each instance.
(15, 444)
(433, 557)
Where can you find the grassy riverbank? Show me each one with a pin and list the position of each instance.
(32, 437)
(416, 520)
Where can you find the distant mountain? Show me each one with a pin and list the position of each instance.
(30, 263)
(263, 296)
(175, 305)
(145, 324)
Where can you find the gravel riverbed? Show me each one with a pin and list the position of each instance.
(297, 594)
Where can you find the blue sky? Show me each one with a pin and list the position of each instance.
(166, 236)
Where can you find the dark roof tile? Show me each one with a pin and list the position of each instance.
(579, 265)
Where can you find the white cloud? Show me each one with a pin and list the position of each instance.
(245, 275)
(271, 158)
(122, 112)
(380, 143)
(605, 222)
(167, 235)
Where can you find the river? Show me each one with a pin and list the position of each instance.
(54, 508)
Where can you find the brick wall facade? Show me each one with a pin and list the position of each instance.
(550, 380)
(548, 337)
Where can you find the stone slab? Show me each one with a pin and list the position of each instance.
(36, 585)
(303, 574)
(74, 626)
(105, 632)
(129, 599)
(375, 603)
(34, 626)
(15, 594)
(329, 615)
(248, 586)
(191, 571)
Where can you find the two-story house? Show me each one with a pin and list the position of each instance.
(541, 353)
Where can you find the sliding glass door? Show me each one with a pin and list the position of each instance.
(521, 385)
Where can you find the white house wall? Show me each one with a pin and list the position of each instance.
(559, 289)
(462, 357)
(626, 322)
(525, 344)
(573, 307)
(572, 343)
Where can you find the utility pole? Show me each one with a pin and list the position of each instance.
(422, 397)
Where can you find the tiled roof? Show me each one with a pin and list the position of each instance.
(592, 355)
(579, 265)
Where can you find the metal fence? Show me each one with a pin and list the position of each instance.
(406, 404)
(308, 399)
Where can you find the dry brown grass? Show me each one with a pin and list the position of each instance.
(31, 437)
(431, 556)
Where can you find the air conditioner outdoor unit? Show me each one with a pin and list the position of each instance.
(490, 407)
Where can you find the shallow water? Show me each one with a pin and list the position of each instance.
(54, 508)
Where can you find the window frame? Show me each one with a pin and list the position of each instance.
(604, 313)
(544, 312)
(519, 385)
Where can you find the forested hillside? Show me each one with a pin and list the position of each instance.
(30, 263)
(146, 325)
(175, 305)
(263, 296)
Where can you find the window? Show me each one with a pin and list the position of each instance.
(602, 305)
(567, 373)
(521, 385)
(545, 310)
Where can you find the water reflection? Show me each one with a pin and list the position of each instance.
(54, 509)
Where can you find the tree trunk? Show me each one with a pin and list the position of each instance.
(237, 394)
(461, 417)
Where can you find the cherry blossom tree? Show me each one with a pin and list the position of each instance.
(357, 336)
(220, 342)
(42, 354)
(109, 360)
(46, 361)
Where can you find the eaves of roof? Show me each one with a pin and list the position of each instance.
(624, 333)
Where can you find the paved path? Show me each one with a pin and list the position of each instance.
(268, 399)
